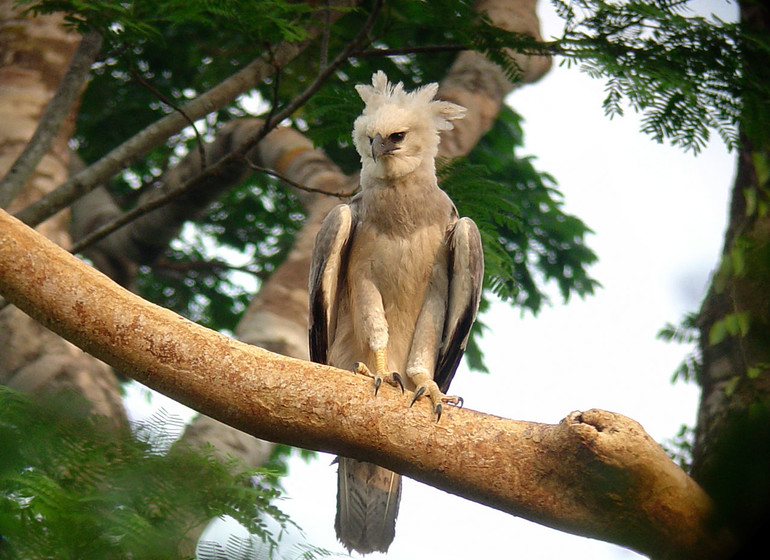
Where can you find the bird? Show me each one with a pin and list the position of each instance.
(395, 282)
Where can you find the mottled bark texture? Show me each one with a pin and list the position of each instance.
(34, 55)
(732, 443)
(596, 473)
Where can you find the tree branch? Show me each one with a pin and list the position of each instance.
(141, 143)
(67, 92)
(165, 99)
(283, 178)
(596, 473)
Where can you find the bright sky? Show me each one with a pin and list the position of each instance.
(658, 215)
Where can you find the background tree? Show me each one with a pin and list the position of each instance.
(527, 236)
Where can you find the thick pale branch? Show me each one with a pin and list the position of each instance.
(596, 473)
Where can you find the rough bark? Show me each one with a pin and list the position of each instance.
(596, 473)
(35, 53)
(731, 455)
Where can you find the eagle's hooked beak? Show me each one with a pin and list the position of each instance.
(382, 146)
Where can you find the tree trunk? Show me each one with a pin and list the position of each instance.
(35, 53)
(732, 444)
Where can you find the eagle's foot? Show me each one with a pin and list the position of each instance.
(424, 384)
(392, 377)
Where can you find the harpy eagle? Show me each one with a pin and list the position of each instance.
(395, 283)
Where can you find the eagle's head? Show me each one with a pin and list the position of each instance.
(399, 131)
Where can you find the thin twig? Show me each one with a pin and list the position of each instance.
(123, 219)
(165, 99)
(276, 84)
(239, 155)
(540, 48)
(410, 50)
(66, 93)
(301, 99)
(323, 59)
(211, 266)
(298, 186)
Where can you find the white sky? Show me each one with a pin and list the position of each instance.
(658, 215)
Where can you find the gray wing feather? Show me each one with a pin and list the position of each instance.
(466, 276)
(326, 266)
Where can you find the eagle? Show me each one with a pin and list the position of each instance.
(395, 283)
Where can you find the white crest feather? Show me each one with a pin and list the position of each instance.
(382, 92)
(416, 116)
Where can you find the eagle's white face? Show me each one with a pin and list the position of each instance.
(398, 131)
(394, 141)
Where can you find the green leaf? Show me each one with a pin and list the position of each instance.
(753, 372)
(744, 322)
(761, 167)
(732, 324)
(750, 196)
(738, 257)
(731, 385)
(718, 332)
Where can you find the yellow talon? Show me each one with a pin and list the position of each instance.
(425, 385)
(381, 372)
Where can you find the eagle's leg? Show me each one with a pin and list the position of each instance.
(392, 377)
(426, 385)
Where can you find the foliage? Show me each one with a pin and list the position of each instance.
(680, 447)
(126, 24)
(528, 239)
(72, 485)
(239, 548)
(680, 70)
(683, 72)
(686, 332)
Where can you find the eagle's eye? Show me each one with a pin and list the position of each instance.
(397, 137)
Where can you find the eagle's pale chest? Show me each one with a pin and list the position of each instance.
(400, 267)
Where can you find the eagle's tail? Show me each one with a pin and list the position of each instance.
(367, 505)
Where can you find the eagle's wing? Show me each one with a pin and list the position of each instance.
(328, 263)
(466, 276)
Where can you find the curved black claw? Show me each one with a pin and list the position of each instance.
(377, 383)
(460, 402)
(420, 392)
(397, 378)
(438, 412)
